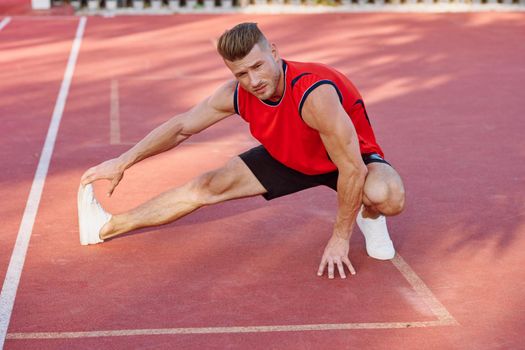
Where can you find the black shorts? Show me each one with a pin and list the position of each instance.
(280, 180)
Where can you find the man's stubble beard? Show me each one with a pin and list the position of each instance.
(275, 83)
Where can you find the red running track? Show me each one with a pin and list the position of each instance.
(443, 93)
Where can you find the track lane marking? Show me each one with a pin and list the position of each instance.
(444, 319)
(16, 263)
(423, 291)
(5, 22)
(224, 330)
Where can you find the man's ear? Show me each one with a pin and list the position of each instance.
(275, 52)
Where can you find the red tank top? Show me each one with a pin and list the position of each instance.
(279, 125)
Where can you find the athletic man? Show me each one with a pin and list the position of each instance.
(313, 129)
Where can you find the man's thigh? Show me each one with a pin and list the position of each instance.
(233, 180)
(382, 172)
(278, 179)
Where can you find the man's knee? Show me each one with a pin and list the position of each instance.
(208, 187)
(389, 197)
(396, 202)
(213, 186)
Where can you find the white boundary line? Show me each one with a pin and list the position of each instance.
(444, 319)
(16, 264)
(5, 22)
(423, 291)
(223, 330)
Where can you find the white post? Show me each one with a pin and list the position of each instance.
(260, 2)
(227, 4)
(191, 4)
(41, 4)
(174, 4)
(156, 4)
(138, 4)
(209, 4)
(75, 4)
(111, 5)
(93, 4)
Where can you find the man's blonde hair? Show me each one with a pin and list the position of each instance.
(237, 42)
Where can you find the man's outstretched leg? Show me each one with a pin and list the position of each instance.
(383, 195)
(234, 180)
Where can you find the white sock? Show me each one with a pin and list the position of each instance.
(91, 216)
(378, 242)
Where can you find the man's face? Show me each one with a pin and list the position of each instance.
(259, 72)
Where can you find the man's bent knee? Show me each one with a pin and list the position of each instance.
(388, 198)
(396, 203)
(377, 192)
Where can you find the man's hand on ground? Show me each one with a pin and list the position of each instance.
(110, 170)
(336, 253)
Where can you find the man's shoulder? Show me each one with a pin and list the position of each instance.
(222, 97)
(297, 68)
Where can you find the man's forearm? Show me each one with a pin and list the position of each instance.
(349, 192)
(161, 139)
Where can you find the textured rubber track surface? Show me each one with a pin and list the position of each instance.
(444, 94)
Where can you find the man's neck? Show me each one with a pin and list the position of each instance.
(280, 86)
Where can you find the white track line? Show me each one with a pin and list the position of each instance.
(223, 330)
(444, 319)
(16, 264)
(5, 22)
(114, 114)
(424, 292)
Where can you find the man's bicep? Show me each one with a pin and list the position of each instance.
(342, 145)
(209, 111)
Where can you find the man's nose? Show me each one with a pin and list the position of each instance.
(254, 79)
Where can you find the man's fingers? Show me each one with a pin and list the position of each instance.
(114, 184)
(330, 269)
(87, 178)
(341, 269)
(349, 265)
(320, 271)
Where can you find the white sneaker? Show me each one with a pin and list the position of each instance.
(91, 216)
(378, 242)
